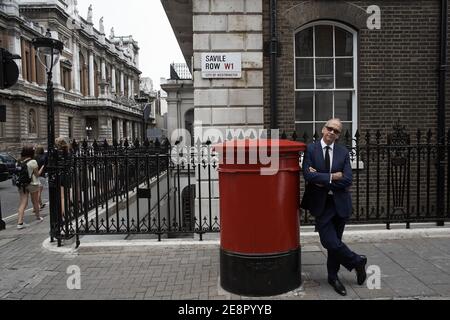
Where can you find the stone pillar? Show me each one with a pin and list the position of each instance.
(15, 47)
(120, 129)
(122, 84)
(129, 88)
(33, 64)
(76, 68)
(91, 75)
(222, 27)
(179, 101)
(132, 88)
(136, 59)
(22, 54)
(103, 70)
(113, 80)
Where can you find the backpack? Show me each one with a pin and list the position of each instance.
(21, 178)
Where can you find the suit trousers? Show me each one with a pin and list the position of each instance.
(331, 228)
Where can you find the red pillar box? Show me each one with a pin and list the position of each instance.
(259, 216)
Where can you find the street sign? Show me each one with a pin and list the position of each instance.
(9, 71)
(221, 65)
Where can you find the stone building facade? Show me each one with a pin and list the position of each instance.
(95, 81)
(331, 62)
(369, 63)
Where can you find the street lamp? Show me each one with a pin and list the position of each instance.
(48, 52)
(88, 131)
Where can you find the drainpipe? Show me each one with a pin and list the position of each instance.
(273, 64)
(441, 113)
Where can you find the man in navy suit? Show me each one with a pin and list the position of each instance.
(327, 171)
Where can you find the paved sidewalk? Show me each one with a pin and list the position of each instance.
(415, 268)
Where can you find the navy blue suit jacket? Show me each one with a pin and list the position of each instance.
(317, 195)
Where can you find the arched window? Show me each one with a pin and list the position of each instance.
(325, 77)
(32, 122)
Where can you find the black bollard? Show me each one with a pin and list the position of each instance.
(2, 223)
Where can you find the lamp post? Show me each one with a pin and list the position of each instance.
(49, 51)
(88, 131)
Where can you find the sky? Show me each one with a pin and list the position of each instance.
(147, 22)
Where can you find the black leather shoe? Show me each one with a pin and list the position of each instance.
(338, 286)
(361, 271)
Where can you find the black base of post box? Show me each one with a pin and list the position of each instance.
(260, 275)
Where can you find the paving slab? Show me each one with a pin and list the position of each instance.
(414, 267)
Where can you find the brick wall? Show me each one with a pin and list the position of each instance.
(398, 65)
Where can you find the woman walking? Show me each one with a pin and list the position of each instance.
(27, 158)
(41, 158)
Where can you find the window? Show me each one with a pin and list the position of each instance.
(325, 77)
(83, 75)
(115, 135)
(118, 83)
(125, 84)
(27, 66)
(125, 129)
(40, 71)
(29, 62)
(96, 79)
(66, 78)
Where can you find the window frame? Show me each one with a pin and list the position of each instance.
(354, 91)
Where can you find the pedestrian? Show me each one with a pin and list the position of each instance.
(63, 150)
(328, 173)
(42, 160)
(31, 188)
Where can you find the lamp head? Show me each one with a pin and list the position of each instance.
(48, 49)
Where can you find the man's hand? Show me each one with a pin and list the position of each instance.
(337, 176)
(312, 170)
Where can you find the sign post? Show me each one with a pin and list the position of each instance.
(9, 72)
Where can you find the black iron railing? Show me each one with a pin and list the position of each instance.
(139, 189)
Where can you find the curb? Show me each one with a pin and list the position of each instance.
(360, 236)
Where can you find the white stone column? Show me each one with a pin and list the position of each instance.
(15, 47)
(91, 75)
(57, 75)
(103, 70)
(122, 83)
(113, 80)
(136, 59)
(119, 129)
(130, 130)
(132, 88)
(76, 68)
(129, 88)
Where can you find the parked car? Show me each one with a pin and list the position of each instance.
(4, 173)
(10, 162)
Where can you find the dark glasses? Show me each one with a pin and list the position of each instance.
(334, 130)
